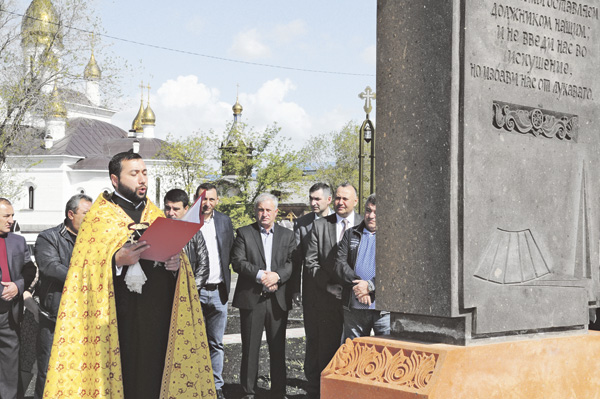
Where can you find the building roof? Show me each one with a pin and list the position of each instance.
(84, 137)
(73, 96)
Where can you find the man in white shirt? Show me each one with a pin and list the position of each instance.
(218, 235)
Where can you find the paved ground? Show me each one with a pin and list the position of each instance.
(233, 353)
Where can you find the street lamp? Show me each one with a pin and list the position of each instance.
(367, 135)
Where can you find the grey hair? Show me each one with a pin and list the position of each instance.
(265, 197)
(73, 203)
(370, 200)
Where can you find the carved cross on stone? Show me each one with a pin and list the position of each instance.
(368, 95)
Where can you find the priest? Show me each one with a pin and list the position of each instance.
(127, 327)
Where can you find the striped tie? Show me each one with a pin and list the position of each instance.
(344, 228)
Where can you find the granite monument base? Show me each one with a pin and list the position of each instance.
(385, 368)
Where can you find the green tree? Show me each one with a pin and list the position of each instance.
(333, 158)
(255, 162)
(188, 161)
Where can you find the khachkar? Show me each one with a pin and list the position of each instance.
(488, 183)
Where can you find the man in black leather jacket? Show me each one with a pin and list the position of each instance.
(53, 249)
(176, 204)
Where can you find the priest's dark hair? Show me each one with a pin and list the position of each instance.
(115, 164)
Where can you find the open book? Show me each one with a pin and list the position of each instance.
(167, 237)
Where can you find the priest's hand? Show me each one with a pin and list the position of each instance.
(172, 264)
(129, 254)
(10, 290)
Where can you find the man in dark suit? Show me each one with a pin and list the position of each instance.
(262, 256)
(320, 198)
(17, 272)
(325, 333)
(214, 295)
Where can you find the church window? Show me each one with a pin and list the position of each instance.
(31, 192)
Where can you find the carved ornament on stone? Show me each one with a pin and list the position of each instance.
(512, 257)
(406, 368)
(538, 122)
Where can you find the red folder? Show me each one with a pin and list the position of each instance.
(167, 237)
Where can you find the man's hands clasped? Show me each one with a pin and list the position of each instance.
(270, 280)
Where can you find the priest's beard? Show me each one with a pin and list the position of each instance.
(129, 194)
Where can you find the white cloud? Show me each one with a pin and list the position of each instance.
(185, 91)
(249, 44)
(285, 33)
(185, 105)
(182, 106)
(369, 55)
(269, 105)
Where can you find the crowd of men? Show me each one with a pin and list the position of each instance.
(326, 265)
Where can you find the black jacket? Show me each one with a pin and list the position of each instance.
(53, 249)
(198, 255)
(346, 262)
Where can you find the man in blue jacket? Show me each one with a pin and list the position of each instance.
(355, 268)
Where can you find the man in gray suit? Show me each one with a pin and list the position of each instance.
(326, 331)
(320, 198)
(17, 272)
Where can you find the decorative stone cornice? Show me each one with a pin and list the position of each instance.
(407, 368)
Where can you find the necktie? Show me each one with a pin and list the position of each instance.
(4, 261)
(344, 228)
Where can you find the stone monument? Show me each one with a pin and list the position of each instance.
(488, 183)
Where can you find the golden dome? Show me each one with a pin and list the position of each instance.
(148, 117)
(57, 108)
(41, 24)
(237, 108)
(137, 122)
(92, 70)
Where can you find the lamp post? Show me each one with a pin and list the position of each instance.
(367, 135)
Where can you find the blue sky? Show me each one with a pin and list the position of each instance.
(191, 92)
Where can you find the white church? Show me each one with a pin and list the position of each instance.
(79, 139)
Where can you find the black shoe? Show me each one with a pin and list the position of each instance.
(220, 394)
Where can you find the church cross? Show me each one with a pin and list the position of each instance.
(368, 95)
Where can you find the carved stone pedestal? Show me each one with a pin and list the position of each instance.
(384, 368)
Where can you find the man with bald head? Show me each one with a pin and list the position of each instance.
(17, 272)
(325, 333)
